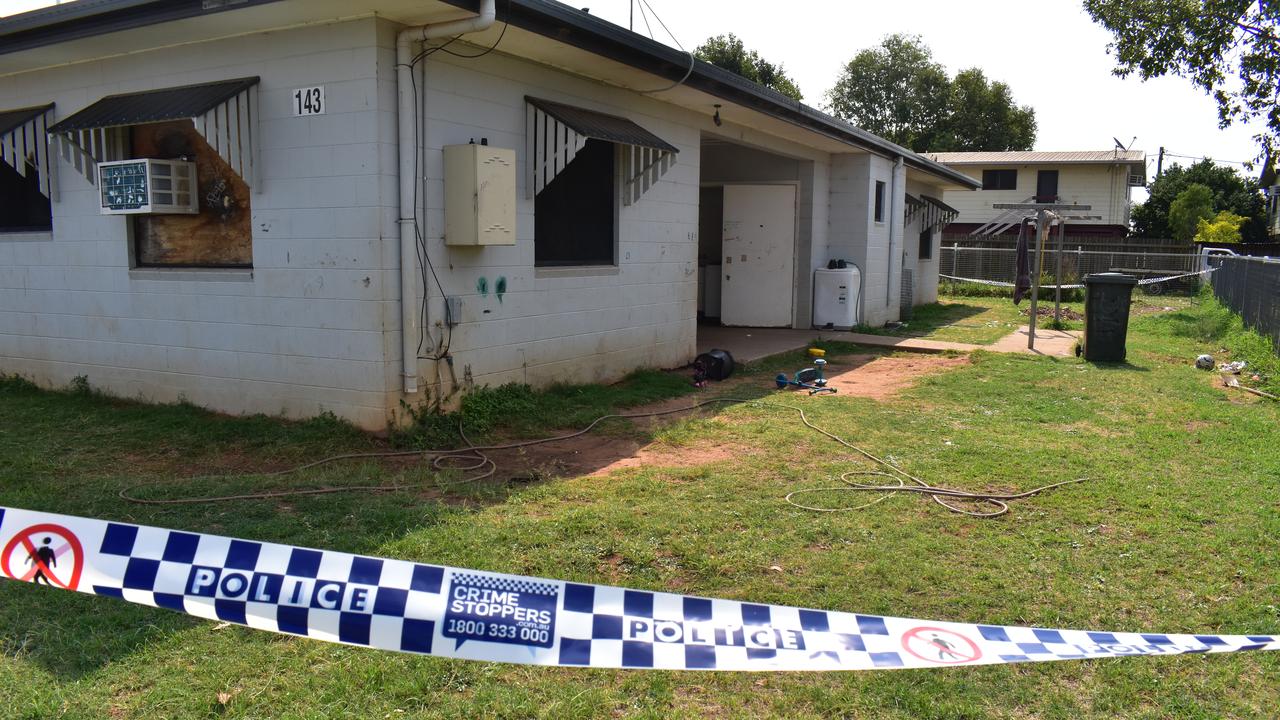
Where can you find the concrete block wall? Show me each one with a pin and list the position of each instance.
(855, 235)
(305, 331)
(554, 324)
(926, 271)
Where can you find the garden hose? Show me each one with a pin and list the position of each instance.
(473, 458)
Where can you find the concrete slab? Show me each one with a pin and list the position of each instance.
(1055, 343)
(748, 344)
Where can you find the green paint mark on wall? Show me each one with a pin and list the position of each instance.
(482, 287)
(500, 288)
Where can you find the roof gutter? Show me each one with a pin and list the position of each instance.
(584, 31)
(87, 18)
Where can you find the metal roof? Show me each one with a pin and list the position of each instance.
(556, 21)
(188, 101)
(1033, 157)
(10, 119)
(600, 126)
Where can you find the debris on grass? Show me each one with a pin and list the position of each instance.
(1067, 313)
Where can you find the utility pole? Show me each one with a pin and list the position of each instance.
(1160, 163)
(632, 27)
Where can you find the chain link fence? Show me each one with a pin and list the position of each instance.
(1251, 287)
(995, 264)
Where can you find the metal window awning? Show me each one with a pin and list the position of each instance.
(24, 143)
(556, 132)
(915, 206)
(938, 214)
(225, 113)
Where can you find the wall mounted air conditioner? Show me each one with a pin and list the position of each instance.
(147, 186)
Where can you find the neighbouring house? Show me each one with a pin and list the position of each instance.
(1102, 179)
(295, 207)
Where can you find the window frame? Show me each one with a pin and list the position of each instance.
(925, 251)
(878, 209)
(1000, 173)
(616, 197)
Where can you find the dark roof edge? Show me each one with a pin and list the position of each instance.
(87, 18)
(573, 27)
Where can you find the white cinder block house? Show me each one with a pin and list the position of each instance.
(311, 229)
(1102, 179)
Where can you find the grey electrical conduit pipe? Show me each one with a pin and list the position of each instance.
(406, 117)
(473, 458)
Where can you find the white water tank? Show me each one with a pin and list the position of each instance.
(836, 298)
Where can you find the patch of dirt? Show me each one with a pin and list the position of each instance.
(1198, 425)
(599, 455)
(1145, 309)
(881, 377)
(1042, 311)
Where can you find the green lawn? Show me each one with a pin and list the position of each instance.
(1175, 531)
(984, 320)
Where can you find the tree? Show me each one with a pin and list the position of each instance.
(897, 91)
(729, 52)
(1207, 42)
(1192, 206)
(1231, 191)
(1223, 228)
(984, 116)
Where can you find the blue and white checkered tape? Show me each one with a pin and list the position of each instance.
(427, 609)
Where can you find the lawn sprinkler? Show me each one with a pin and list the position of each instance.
(810, 379)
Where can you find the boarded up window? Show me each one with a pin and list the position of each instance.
(221, 234)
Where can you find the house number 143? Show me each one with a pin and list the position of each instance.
(308, 101)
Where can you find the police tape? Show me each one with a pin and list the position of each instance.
(467, 614)
(1143, 281)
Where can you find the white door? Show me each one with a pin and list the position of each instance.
(759, 255)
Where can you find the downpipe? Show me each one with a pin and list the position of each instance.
(406, 117)
(895, 211)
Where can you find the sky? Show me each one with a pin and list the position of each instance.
(1049, 52)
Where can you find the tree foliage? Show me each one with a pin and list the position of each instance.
(1229, 48)
(729, 52)
(1230, 191)
(1192, 206)
(1223, 228)
(899, 92)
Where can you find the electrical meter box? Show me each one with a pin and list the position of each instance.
(479, 195)
(147, 186)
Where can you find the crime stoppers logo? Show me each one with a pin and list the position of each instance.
(501, 610)
(45, 554)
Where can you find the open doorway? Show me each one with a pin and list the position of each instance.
(753, 236)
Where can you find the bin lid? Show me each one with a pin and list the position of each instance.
(1110, 278)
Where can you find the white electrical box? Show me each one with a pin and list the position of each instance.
(147, 186)
(837, 296)
(479, 195)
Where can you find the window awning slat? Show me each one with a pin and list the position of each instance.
(225, 113)
(556, 132)
(938, 214)
(24, 142)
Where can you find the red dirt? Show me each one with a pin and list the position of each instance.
(880, 377)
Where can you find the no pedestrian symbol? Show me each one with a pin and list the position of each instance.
(943, 647)
(44, 553)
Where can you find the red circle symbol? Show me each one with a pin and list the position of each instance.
(943, 647)
(41, 552)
